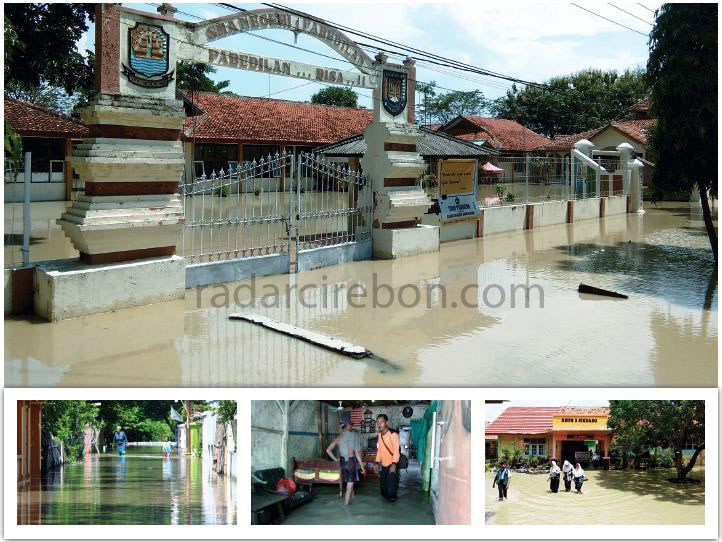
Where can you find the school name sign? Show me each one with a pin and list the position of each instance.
(583, 423)
(195, 49)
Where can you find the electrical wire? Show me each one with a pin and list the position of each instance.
(607, 19)
(630, 14)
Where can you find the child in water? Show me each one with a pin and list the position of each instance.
(166, 448)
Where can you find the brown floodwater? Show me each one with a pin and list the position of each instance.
(608, 498)
(142, 488)
(665, 334)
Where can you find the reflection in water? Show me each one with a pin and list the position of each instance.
(609, 498)
(367, 508)
(660, 259)
(141, 489)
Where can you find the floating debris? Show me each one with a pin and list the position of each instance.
(586, 289)
(329, 343)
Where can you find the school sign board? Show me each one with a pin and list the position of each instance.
(579, 423)
(458, 190)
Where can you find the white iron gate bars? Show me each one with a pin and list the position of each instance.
(242, 214)
(333, 213)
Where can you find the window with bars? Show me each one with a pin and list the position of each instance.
(536, 446)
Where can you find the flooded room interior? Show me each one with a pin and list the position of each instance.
(289, 441)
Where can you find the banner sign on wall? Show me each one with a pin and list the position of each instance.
(458, 190)
(457, 177)
(458, 207)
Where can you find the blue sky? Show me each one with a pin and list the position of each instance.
(528, 40)
(492, 411)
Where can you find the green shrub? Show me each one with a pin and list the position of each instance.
(510, 198)
(500, 190)
(257, 190)
(532, 461)
(513, 455)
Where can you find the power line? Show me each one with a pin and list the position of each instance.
(630, 14)
(607, 19)
(645, 7)
(447, 61)
(493, 84)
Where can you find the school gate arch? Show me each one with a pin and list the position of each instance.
(128, 223)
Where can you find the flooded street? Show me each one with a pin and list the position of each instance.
(665, 334)
(141, 488)
(413, 506)
(608, 498)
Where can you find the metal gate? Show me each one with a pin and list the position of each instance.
(242, 223)
(333, 213)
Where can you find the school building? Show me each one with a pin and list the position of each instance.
(558, 433)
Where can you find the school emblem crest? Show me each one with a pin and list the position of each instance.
(393, 95)
(148, 56)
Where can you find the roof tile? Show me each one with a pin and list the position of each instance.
(264, 120)
(33, 120)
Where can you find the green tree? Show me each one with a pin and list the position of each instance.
(574, 103)
(343, 96)
(66, 421)
(226, 410)
(42, 45)
(682, 74)
(660, 423)
(443, 107)
(426, 92)
(191, 76)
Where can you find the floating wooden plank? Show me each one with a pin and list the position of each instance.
(329, 343)
(586, 289)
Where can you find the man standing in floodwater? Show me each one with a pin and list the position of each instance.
(120, 440)
(501, 480)
(349, 455)
(388, 453)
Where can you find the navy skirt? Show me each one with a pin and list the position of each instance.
(349, 470)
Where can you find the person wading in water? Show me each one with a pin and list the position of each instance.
(120, 440)
(554, 475)
(388, 453)
(501, 479)
(349, 449)
(568, 475)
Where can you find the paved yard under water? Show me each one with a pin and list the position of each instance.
(413, 506)
(665, 334)
(140, 488)
(608, 498)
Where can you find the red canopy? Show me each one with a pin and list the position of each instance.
(491, 168)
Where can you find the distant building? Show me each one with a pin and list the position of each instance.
(552, 432)
(49, 136)
(221, 129)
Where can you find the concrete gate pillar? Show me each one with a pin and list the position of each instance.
(394, 165)
(127, 224)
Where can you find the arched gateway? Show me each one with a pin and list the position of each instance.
(129, 221)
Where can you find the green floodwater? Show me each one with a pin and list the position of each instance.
(413, 506)
(608, 498)
(141, 488)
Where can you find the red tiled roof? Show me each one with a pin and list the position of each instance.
(33, 120)
(523, 421)
(640, 107)
(264, 120)
(535, 420)
(502, 134)
(637, 129)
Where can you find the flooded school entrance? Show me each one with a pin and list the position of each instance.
(140, 488)
(665, 334)
(609, 498)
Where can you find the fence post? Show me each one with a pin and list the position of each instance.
(526, 177)
(290, 205)
(28, 174)
(298, 206)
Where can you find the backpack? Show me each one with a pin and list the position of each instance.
(403, 460)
